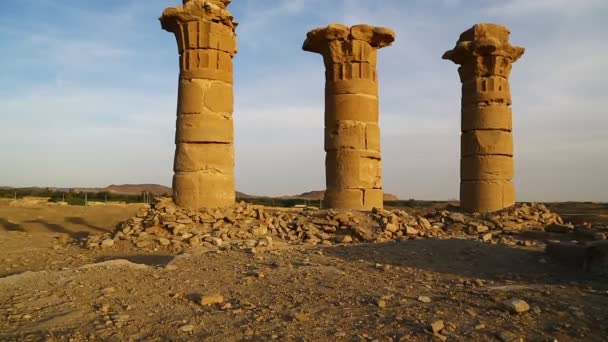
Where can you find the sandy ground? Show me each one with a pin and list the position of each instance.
(51, 288)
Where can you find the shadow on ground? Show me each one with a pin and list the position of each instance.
(82, 222)
(10, 226)
(56, 228)
(464, 258)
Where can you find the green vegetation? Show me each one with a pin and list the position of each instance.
(280, 202)
(71, 196)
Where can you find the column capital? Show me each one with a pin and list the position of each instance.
(342, 44)
(202, 24)
(484, 40)
(198, 10)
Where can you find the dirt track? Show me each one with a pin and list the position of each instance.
(356, 292)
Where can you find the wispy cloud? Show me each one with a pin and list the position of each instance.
(527, 7)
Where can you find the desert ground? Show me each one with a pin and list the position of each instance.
(55, 287)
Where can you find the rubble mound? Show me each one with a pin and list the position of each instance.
(163, 225)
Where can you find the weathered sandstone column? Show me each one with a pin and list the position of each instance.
(204, 155)
(352, 136)
(485, 57)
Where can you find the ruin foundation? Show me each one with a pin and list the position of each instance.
(485, 57)
(204, 155)
(352, 136)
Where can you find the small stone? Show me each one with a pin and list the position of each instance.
(302, 317)
(107, 243)
(26, 317)
(516, 306)
(411, 231)
(457, 217)
(107, 291)
(164, 242)
(104, 308)
(381, 303)
(424, 299)
(120, 318)
(345, 239)
(437, 326)
(487, 237)
(481, 229)
(187, 328)
(480, 326)
(211, 300)
(424, 223)
(391, 228)
(215, 241)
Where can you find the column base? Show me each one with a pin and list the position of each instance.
(486, 196)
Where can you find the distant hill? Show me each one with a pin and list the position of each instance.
(317, 195)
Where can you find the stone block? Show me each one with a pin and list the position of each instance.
(351, 51)
(485, 66)
(485, 142)
(351, 71)
(353, 169)
(372, 137)
(360, 86)
(205, 35)
(362, 32)
(220, 97)
(493, 116)
(345, 134)
(484, 31)
(486, 196)
(191, 95)
(206, 127)
(204, 157)
(206, 64)
(489, 167)
(350, 107)
(373, 198)
(486, 89)
(196, 190)
(343, 199)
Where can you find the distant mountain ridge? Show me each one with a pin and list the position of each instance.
(317, 195)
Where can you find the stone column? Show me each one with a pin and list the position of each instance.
(204, 155)
(352, 135)
(485, 57)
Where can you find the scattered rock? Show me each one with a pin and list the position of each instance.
(301, 316)
(437, 326)
(211, 300)
(186, 328)
(107, 243)
(167, 226)
(424, 299)
(517, 306)
(411, 231)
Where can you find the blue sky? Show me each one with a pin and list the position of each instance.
(88, 94)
